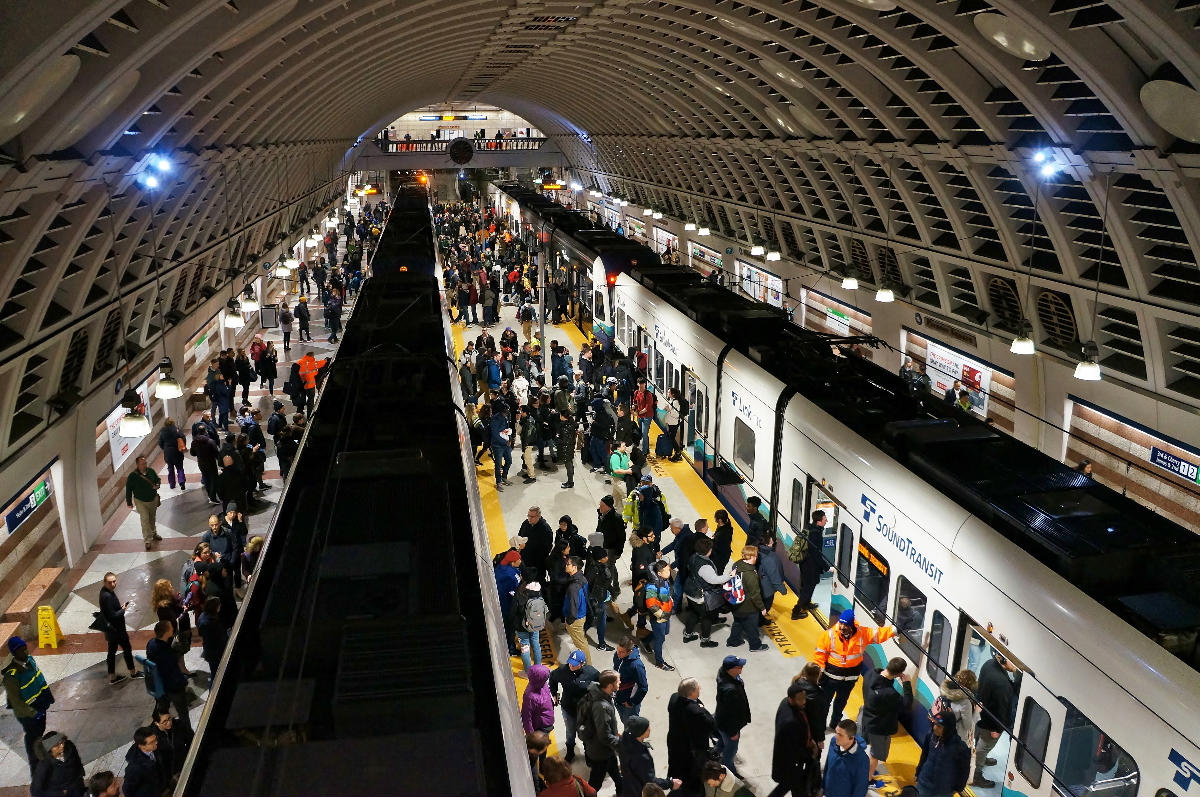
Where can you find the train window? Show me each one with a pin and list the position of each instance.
(743, 447)
(1090, 762)
(845, 554)
(910, 618)
(871, 580)
(940, 638)
(620, 328)
(1035, 738)
(658, 371)
(598, 306)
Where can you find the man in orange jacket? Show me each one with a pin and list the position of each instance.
(309, 366)
(839, 653)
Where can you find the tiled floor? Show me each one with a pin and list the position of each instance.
(98, 717)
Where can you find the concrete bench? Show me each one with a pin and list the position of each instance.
(44, 589)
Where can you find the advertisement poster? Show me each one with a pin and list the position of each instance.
(945, 365)
(760, 284)
(704, 260)
(663, 239)
(122, 447)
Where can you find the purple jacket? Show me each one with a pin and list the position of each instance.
(537, 708)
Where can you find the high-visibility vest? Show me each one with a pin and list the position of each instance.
(308, 371)
(843, 657)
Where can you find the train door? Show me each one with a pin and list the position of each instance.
(696, 423)
(834, 593)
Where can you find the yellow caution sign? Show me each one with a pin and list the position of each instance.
(48, 630)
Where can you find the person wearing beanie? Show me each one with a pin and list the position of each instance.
(60, 772)
(508, 577)
(839, 653)
(945, 761)
(29, 696)
(637, 762)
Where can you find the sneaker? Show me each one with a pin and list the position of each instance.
(605, 647)
(138, 674)
(529, 480)
(983, 783)
(567, 485)
(690, 638)
(157, 537)
(877, 784)
(116, 679)
(148, 546)
(499, 488)
(759, 648)
(708, 643)
(662, 665)
(507, 482)
(737, 644)
(990, 762)
(799, 612)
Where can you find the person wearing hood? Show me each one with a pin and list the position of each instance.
(637, 762)
(690, 734)
(839, 652)
(733, 709)
(598, 730)
(508, 578)
(792, 753)
(569, 531)
(770, 579)
(529, 642)
(846, 765)
(144, 768)
(627, 661)
(945, 761)
(537, 706)
(573, 678)
(882, 708)
(60, 772)
(957, 693)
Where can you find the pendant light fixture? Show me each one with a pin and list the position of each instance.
(773, 255)
(703, 231)
(1088, 369)
(757, 250)
(657, 215)
(249, 300)
(689, 227)
(849, 282)
(134, 423)
(168, 386)
(233, 315)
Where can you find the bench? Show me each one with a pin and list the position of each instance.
(44, 589)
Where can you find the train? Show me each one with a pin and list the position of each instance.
(970, 542)
(363, 659)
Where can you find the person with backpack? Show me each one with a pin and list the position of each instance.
(575, 605)
(600, 585)
(746, 600)
(598, 731)
(807, 551)
(646, 507)
(659, 606)
(529, 618)
(573, 679)
(526, 316)
(702, 596)
(882, 708)
(277, 422)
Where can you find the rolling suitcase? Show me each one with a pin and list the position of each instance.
(662, 446)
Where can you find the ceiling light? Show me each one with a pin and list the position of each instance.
(703, 231)
(249, 301)
(282, 269)
(576, 187)
(657, 215)
(1048, 169)
(689, 227)
(135, 423)
(1088, 368)
(885, 295)
(162, 163)
(1023, 345)
(1013, 36)
(168, 387)
(773, 255)
(849, 284)
(757, 250)
(647, 212)
(149, 180)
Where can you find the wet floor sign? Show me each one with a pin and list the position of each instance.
(49, 632)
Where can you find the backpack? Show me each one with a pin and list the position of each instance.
(735, 591)
(285, 317)
(798, 550)
(275, 423)
(583, 718)
(535, 614)
(526, 313)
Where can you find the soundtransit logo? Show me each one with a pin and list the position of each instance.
(1188, 772)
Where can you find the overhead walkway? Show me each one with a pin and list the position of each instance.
(484, 154)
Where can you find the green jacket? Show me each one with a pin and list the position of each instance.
(142, 486)
(754, 602)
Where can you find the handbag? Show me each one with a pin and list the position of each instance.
(99, 623)
(182, 642)
(180, 445)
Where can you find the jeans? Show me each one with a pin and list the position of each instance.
(625, 712)
(600, 768)
(745, 626)
(530, 644)
(287, 339)
(729, 748)
(569, 724)
(34, 730)
(658, 635)
(502, 456)
(175, 473)
(598, 619)
(118, 639)
(599, 451)
(644, 424)
(836, 692)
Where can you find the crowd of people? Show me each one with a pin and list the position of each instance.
(599, 406)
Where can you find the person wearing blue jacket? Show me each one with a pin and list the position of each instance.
(501, 441)
(493, 374)
(627, 661)
(508, 578)
(945, 761)
(575, 605)
(847, 765)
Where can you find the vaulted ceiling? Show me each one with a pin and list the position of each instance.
(894, 139)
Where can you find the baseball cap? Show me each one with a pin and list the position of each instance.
(576, 658)
(732, 661)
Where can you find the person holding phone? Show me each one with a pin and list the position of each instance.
(116, 633)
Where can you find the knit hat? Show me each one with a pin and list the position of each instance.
(51, 739)
(565, 519)
(512, 557)
(608, 499)
(847, 617)
(597, 553)
(15, 643)
(637, 726)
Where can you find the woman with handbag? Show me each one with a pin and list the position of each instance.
(168, 605)
(173, 444)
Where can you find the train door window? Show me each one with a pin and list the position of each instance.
(698, 399)
(1091, 763)
(620, 332)
(871, 581)
(672, 375)
(598, 306)
(845, 554)
(799, 521)
(1034, 738)
(940, 638)
(658, 370)
(743, 447)
(910, 618)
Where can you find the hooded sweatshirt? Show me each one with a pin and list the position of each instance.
(537, 707)
(945, 763)
(964, 709)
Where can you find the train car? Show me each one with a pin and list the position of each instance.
(368, 655)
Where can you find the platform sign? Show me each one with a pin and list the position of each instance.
(49, 632)
(37, 495)
(838, 321)
(1180, 467)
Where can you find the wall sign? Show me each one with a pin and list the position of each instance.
(704, 260)
(1180, 467)
(838, 321)
(944, 365)
(35, 496)
(122, 447)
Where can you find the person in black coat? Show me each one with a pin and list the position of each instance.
(945, 759)
(143, 766)
(168, 440)
(793, 751)
(997, 695)
(722, 540)
(691, 732)
(540, 538)
(60, 772)
(231, 485)
(637, 762)
(174, 739)
(116, 634)
(222, 396)
(208, 455)
(812, 566)
(733, 709)
(882, 708)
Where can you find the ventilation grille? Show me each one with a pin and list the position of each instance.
(1120, 341)
(1183, 360)
(1058, 321)
(1005, 303)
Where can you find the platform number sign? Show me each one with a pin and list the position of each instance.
(38, 495)
(1180, 467)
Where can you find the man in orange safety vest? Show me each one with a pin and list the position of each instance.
(839, 653)
(309, 366)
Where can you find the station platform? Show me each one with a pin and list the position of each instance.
(767, 674)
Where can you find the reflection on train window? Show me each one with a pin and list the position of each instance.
(1089, 762)
(1035, 737)
(845, 552)
(871, 581)
(658, 371)
(910, 618)
(598, 306)
(940, 637)
(622, 335)
(743, 447)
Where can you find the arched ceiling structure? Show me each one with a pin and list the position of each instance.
(888, 137)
